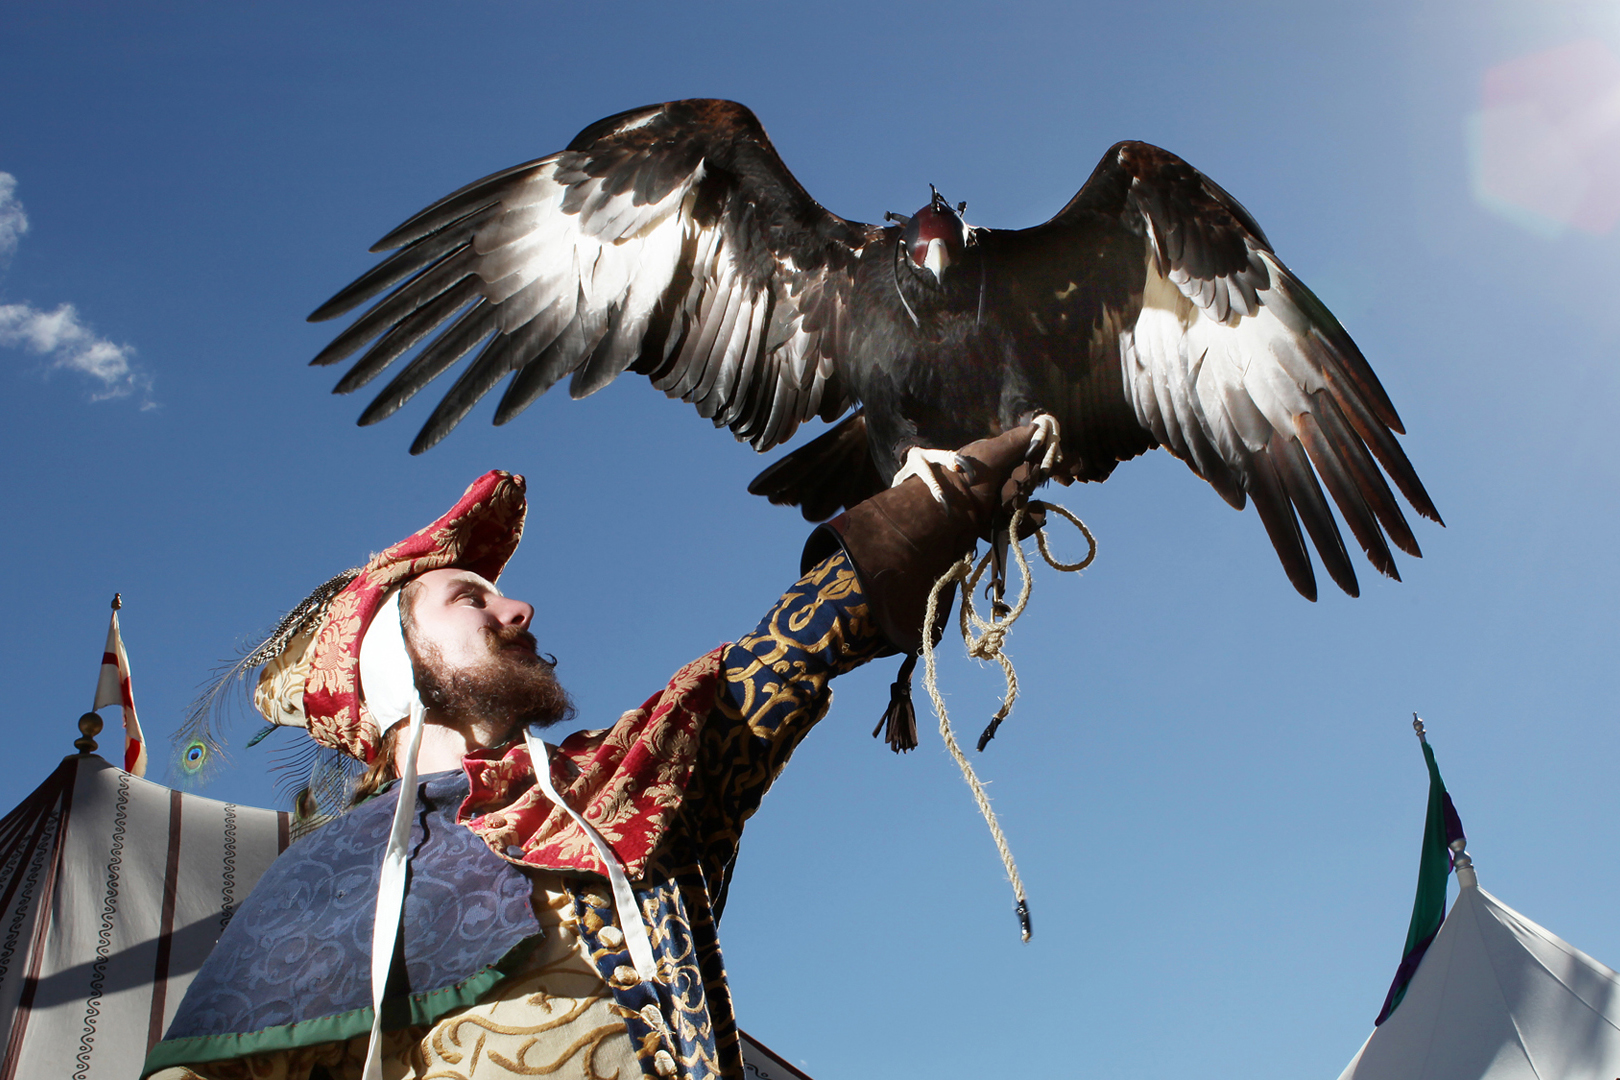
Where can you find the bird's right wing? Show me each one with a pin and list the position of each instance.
(668, 240)
(1229, 361)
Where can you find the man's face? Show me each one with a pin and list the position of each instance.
(474, 657)
(459, 615)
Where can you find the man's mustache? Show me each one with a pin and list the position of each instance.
(502, 636)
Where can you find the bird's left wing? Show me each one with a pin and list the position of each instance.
(1167, 320)
(668, 240)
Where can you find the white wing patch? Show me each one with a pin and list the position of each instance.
(1203, 382)
(535, 261)
(591, 282)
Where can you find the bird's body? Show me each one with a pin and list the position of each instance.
(671, 241)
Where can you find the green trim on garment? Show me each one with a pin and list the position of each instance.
(417, 1010)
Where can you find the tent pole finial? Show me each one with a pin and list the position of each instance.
(89, 728)
(1417, 726)
(1463, 864)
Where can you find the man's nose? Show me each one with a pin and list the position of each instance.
(514, 612)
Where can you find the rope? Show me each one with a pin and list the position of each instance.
(987, 644)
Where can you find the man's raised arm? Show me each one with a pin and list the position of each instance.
(863, 595)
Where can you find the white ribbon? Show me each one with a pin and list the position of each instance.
(624, 899)
(389, 685)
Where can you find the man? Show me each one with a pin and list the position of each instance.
(562, 923)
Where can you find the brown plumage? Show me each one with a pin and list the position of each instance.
(672, 241)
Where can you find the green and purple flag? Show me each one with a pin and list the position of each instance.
(1442, 835)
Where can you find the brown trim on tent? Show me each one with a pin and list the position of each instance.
(42, 923)
(283, 830)
(171, 891)
(775, 1058)
(41, 803)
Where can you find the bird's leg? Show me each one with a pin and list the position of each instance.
(921, 464)
(996, 589)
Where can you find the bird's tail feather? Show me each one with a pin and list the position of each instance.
(834, 471)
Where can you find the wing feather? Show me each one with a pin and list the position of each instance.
(716, 350)
(432, 283)
(1382, 442)
(532, 380)
(461, 338)
(1276, 512)
(1224, 358)
(670, 240)
(741, 397)
(1353, 456)
(481, 193)
(1342, 485)
(428, 250)
(1306, 494)
(489, 368)
(407, 334)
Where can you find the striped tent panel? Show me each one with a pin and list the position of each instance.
(113, 889)
(135, 882)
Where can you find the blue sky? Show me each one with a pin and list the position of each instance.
(1211, 785)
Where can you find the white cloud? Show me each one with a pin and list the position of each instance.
(61, 335)
(70, 344)
(13, 222)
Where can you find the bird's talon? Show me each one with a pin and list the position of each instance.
(921, 464)
(1043, 444)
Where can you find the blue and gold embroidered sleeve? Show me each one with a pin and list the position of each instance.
(776, 677)
(775, 690)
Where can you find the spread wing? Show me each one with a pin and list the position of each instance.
(1229, 362)
(668, 240)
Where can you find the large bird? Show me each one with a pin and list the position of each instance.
(672, 241)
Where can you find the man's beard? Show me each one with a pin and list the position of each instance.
(513, 684)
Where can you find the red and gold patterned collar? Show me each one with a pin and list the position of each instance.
(627, 780)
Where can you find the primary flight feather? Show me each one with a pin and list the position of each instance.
(672, 241)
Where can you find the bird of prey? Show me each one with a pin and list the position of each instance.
(672, 241)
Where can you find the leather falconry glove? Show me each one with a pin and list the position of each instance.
(901, 540)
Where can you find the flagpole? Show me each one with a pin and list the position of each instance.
(90, 724)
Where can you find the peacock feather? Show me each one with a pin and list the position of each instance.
(200, 744)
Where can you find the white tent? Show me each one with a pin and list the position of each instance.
(112, 891)
(1497, 997)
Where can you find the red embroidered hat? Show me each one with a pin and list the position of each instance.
(311, 674)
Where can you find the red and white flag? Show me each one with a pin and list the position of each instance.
(113, 689)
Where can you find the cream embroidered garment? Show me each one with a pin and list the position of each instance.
(555, 1018)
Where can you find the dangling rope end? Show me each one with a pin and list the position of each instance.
(986, 644)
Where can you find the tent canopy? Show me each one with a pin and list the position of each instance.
(1498, 997)
(113, 889)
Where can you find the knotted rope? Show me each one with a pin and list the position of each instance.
(985, 639)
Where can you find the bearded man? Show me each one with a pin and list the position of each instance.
(514, 921)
